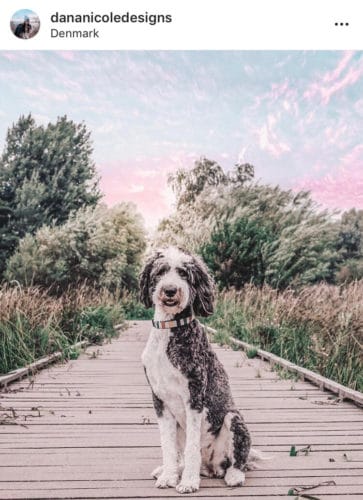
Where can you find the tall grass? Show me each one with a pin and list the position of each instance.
(133, 309)
(319, 327)
(34, 323)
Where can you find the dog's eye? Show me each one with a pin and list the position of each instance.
(160, 271)
(182, 273)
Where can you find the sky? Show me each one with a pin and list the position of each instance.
(296, 116)
(19, 15)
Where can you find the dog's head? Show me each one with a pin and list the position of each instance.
(173, 279)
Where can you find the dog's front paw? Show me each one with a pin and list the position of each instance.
(157, 472)
(166, 480)
(188, 486)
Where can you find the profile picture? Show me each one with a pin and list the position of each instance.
(25, 24)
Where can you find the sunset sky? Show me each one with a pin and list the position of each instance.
(296, 116)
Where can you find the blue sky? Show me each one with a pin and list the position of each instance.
(20, 14)
(297, 116)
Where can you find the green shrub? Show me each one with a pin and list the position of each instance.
(102, 247)
(252, 352)
(97, 323)
(236, 251)
(133, 309)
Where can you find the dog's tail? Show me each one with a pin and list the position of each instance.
(254, 457)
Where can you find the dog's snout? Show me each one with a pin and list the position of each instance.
(170, 291)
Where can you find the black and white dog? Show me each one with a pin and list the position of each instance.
(201, 430)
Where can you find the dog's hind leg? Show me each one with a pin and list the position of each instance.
(237, 446)
(240, 447)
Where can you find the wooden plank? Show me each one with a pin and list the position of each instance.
(33, 368)
(144, 392)
(147, 492)
(279, 486)
(322, 382)
(48, 431)
(139, 415)
(85, 455)
(102, 472)
(282, 404)
(150, 437)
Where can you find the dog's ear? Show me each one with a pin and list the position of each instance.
(144, 280)
(204, 288)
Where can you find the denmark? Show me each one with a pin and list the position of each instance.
(74, 34)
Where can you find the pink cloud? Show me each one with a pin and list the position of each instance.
(335, 134)
(343, 187)
(350, 78)
(10, 56)
(354, 157)
(66, 54)
(282, 93)
(333, 82)
(45, 93)
(330, 76)
(278, 90)
(268, 140)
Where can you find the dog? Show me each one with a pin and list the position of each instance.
(201, 430)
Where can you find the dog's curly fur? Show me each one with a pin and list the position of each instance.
(201, 430)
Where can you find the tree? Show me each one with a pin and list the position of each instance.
(350, 246)
(303, 254)
(350, 238)
(236, 253)
(296, 237)
(189, 184)
(45, 174)
(303, 250)
(100, 246)
(7, 240)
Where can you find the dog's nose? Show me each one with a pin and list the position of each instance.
(170, 291)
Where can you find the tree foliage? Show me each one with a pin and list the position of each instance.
(350, 239)
(281, 236)
(46, 172)
(350, 245)
(189, 184)
(101, 246)
(236, 252)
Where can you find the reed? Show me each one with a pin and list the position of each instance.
(35, 323)
(318, 327)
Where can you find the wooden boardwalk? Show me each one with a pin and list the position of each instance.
(91, 431)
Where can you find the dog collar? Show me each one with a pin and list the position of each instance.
(174, 323)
